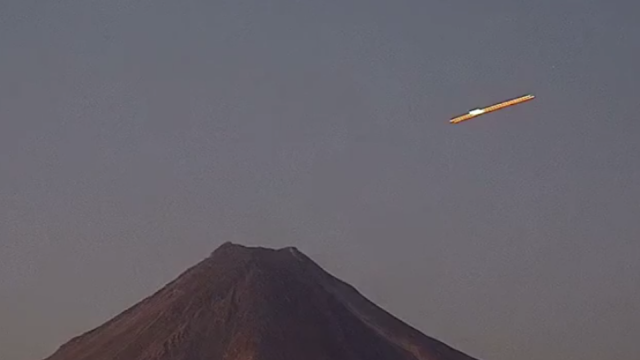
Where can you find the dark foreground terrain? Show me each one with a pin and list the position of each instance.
(245, 303)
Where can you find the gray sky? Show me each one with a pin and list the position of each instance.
(137, 136)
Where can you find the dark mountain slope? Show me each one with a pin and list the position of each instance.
(246, 303)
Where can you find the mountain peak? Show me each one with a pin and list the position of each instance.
(255, 251)
(232, 255)
(255, 303)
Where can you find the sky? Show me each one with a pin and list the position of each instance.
(138, 136)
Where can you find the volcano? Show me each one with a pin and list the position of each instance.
(253, 303)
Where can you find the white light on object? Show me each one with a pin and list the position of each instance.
(476, 112)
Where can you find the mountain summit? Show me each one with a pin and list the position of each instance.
(252, 303)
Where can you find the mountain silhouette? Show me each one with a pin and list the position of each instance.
(253, 303)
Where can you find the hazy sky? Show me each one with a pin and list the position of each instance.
(137, 136)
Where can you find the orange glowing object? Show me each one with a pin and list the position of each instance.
(478, 112)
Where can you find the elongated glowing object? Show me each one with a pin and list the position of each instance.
(478, 112)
